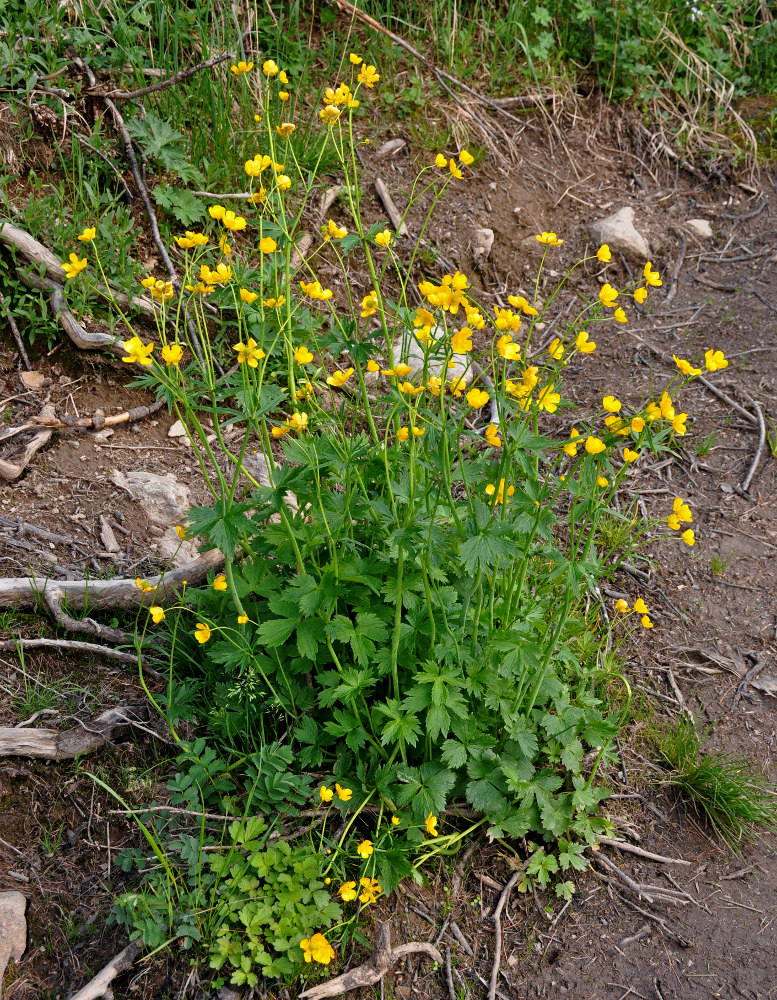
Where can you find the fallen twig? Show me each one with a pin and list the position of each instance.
(16, 335)
(12, 470)
(184, 74)
(100, 986)
(631, 849)
(677, 265)
(756, 669)
(49, 744)
(449, 974)
(388, 203)
(498, 933)
(745, 484)
(11, 645)
(54, 600)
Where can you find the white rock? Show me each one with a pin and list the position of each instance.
(484, 241)
(177, 430)
(13, 930)
(391, 147)
(411, 352)
(163, 499)
(618, 232)
(701, 227)
(174, 551)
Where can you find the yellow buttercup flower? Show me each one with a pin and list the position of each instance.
(373, 366)
(365, 849)
(398, 371)
(248, 296)
(548, 399)
(302, 355)
(284, 95)
(431, 825)
(492, 436)
(611, 404)
(283, 182)
(637, 425)
(285, 129)
(713, 360)
(338, 232)
(520, 302)
(666, 407)
(461, 341)
(640, 607)
(202, 632)
(549, 239)
(369, 305)
(419, 431)
(267, 245)
(368, 76)
(594, 446)
(233, 222)
(354, 59)
(466, 158)
(338, 378)
(454, 169)
(506, 319)
(371, 889)
(88, 235)
(604, 254)
(242, 619)
(499, 493)
(329, 114)
(403, 434)
(274, 303)
(629, 455)
(220, 582)
(651, 277)
(242, 67)
(347, 891)
(574, 440)
(678, 423)
(190, 239)
(216, 211)
(315, 291)
(688, 536)
(296, 422)
(383, 239)
(507, 349)
(218, 276)
(620, 316)
(137, 351)
(685, 366)
(74, 266)
(477, 398)
(172, 354)
(441, 161)
(640, 295)
(602, 481)
(180, 531)
(622, 607)
(325, 794)
(270, 68)
(646, 622)
(249, 353)
(583, 344)
(608, 295)
(395, 820)
(556, 349)
(157, 614)
(317, 949)
(682, 510)
(282, 77)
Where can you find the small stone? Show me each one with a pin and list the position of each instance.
(13, 929)
(618, 232)
(701, 227)
(103, 435)
(391, 147)
(33, 380)
(484, 241)
(72, 442)
(177, 430)
(163, 499)
(107, 537)
(408, 350)
(174, 551)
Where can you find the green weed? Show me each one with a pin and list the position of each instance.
(705, 444)
(718, 564)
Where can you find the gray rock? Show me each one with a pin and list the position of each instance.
(411, 352)
(174, 551)
(618, 232)
(163, 499)
(700, 227)
(13, 930)
(484, 241)
(177, 430)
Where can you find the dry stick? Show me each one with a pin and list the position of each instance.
(12, 470)
(718, 285)
(467, 111)
(16, 335)
(97, 422)
(366, 19)
(12, 645)
(631, 849)
(745, 484)
(449, 974)
(677, 265)
(107, 159)
(100, 985)
(388, 203)
(184, 74)
(498, 930)
(54, 599)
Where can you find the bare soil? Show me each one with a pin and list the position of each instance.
(717, 598)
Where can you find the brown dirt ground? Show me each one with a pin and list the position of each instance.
(721, 945)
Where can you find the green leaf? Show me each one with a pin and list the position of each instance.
(571, 856)
(572, 756)
(276, 631)
(181, 204)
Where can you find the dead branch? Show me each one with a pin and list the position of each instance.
(745, 484)
(391, 209)
(184, 74)
(49, 744)
(54, 600)
(677, 266)
(371, 972)
(622, 845)
(10, 471)
(26, 592)
(16, 335)
(498, 933)
(11, 646)
(100, 986)
(97, 421)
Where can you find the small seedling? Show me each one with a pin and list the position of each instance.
(705, 444)
(771, 438)
(718, 564)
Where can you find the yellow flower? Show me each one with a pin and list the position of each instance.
(136, 351)
(329, 114)
(373, 366)
(315, 291)
(640, 607)
(714, 360)
(282, 78)
(371, 889)
(452, 166)
(492, 436)
(274, 303)
(344, 794)
(466, 158)
(339, 232)
(365, 849)
(431, 825)
(88, 235)
(347, 891)
(646, 622)
(398, 371)
(409, 389)
(620, 316)
(233, 222)
(284, 95)
(506, 319)
(270, 68)
(685, 366)
(602, 481)
(594, 446)
(221, 274)
(242, 67)
(441, 161)
(461, 341)
(202, 632)
(556, 349)
(369, 305)
(688, 536)
(583, 344)
(249, 353)
(368, 76)
(548, 399)
(302, 355)
(180, 531)
(157, 614)
(678, 423)
(339, 378)
(674, 522)
(325, 794)
(622, 606)
(383, 239)
(629, 455)
(519, 302)
(637, 425)
(682, 510)
(499, 493)
(477, 398)
(74, 266)
(666, 407)
(574, 440)
(509, 350)
(283, 182)
(651, 277)
(403, 434)
(603, 253)
(172, 354)
(550, 239)
(419, 432)
(242, 619)
(458, 385)
(304, 391)
(611, 404)
(220, 582)
(318, 949)
(248, 296)
(296, 422)
(285, 129)
(608, 295)
(189, 240)
(216, 211)
(435, 385)
(395, 820)
(267, 245)
(355, 60)
(640, 295)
